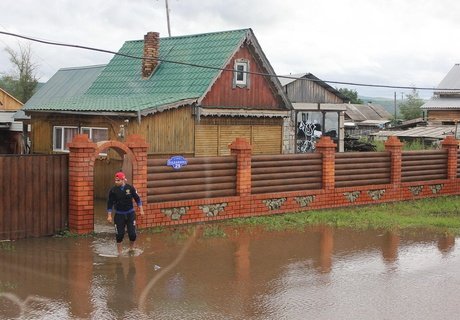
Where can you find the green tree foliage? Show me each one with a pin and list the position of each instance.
(352, 95)
(22, 81)
(410, 107)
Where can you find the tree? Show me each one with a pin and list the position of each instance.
(410, 108)
(22, 81)
(352, 95)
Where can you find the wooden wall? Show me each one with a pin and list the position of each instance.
(444, 115)
(309, 91)
(8, 102)
(167, 133)
(258, 94)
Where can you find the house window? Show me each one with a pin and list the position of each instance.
(241, 76)
(63, 135)
(96, 134)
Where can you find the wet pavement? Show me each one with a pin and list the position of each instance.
(317, 273)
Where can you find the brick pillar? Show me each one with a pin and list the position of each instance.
(451, 144)
(139, 147)
(243, 151)
(81, 185)
(394, 146)
(326, 147)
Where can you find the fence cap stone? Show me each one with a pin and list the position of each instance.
(393, 141)
(81, 141)
(326, 142)
(136, 140)
(240, 144)
(449, 141)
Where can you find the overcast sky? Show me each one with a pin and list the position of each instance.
(389, 42)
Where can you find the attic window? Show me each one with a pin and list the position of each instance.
(241, 75)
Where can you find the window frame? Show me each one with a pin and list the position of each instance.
(243, 83)
(80, 130)
(63, 147)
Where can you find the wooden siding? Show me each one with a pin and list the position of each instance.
(443, 115)
(213, 140)
(309, 91)
(169, 132)
(258, 94)
(34, 198)
(8, 103)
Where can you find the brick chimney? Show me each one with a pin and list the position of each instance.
(151, 53)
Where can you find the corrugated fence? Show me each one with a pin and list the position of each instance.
(205, 177)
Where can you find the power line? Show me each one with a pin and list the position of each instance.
(220, 68)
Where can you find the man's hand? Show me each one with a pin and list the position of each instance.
(109, 217)
(141, 211)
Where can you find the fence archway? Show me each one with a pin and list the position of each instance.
(82, 156)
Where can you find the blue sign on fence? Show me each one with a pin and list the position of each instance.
(176, 162)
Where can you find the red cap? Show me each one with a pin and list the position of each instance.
(120, 176)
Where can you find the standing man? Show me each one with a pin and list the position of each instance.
(121, 198)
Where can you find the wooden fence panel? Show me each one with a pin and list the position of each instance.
(362, 168)
(278, 173)
(201, 178)
(423, 165)
(34, 198)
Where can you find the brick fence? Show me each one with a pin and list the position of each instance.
(244, 203)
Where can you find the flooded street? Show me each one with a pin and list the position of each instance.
(319, 273)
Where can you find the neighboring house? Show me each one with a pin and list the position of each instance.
(317, 110)
(183, 97)
(12, 140)
(364, 119)
(444, 107)
(441, 113)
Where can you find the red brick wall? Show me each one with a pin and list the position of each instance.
(246, 204)
(83, 153)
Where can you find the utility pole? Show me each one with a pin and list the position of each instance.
(395, 107)
(167, 18)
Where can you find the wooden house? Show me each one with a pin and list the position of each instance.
(11, 131)
(187, 95)
(444, 107)
(317, 109)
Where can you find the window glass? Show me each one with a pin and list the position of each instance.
(99, 134)
(241, 76)
(57, 138)
(63, 135)
(239, 73)
(308, 130)
(69, 133)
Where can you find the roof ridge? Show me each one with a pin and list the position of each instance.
(83, 67)
(196, 34)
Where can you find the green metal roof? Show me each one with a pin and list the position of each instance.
(119, 86)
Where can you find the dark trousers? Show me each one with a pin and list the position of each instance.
(125, 221)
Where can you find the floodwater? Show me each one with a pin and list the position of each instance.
(317, 273)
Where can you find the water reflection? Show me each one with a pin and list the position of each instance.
(321, 272)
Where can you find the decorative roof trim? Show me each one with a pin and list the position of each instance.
(243, 113)
(98, 113)
(165, 107)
